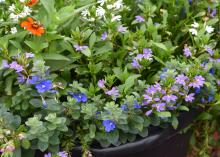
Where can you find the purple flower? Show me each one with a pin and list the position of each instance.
(190, 97)
(136, 105)
(29, 55)
(198, 82)
(181, 79)
(169, 98)
(209, 50)
(122, 29)
(33, 80)
(187, 52)
(113, 92)
(80, 48)
(139, 18)
(44, 86)
(62, 154)
(159, 106)
(147, 54)
(148, 98)
(218, 82)
(48, 155)
(139, 57)
(20, 78)
(101, 84)
(5, 64)
(104, 36)
(148, 113)
(151, 90)
(14, 65)
(80, 97)
(213, 13)
(136, 64)
(109, 125)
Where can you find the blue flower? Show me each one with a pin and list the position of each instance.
(124, 107)
(109, 125)
(212, 71)
(210, 98)
(197, 90)
(33, 80)
(44, 86)
(80, 97)
(136, 105)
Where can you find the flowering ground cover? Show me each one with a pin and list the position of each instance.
(85, 72)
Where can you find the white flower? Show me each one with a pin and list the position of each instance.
(110, 6)
(1, 1)
(13, 30)
(14, 17)
(209, 29)
(195, 25)
(11, 8)
(91, 19)
(193, 31)
(116, 18)
(22, 1)
(118, 4)
(85, 13)
(27, 10)
(100, 11)
(102, 2)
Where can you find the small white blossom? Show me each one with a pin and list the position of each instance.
(14, 17)
(118, 4)
(116, 18)
(27, 10)
(209, 29)
(193, 31)
(11, 8)
(110, 6)
(13, 30)
(85, 13)
(195, 25)
(100, 11)
(22, 1)
(102, 2)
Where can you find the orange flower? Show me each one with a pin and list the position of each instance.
(31, 3)
(33, 26)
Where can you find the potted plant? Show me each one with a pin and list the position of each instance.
(103, 78)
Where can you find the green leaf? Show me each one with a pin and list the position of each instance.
(36, 102)
(92, 40)
(164, 114)
(42, 145)
(144, 132)
(205, 116)
(25, 143)
(160, 45)
(8, 85)
(175, 122)
(87, 52)
(92, 130)
(54, 56)
(36, 45)
(183, 108)
(130, 82)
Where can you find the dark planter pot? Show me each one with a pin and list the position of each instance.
(160, 142)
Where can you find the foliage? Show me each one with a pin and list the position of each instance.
(102, 72)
